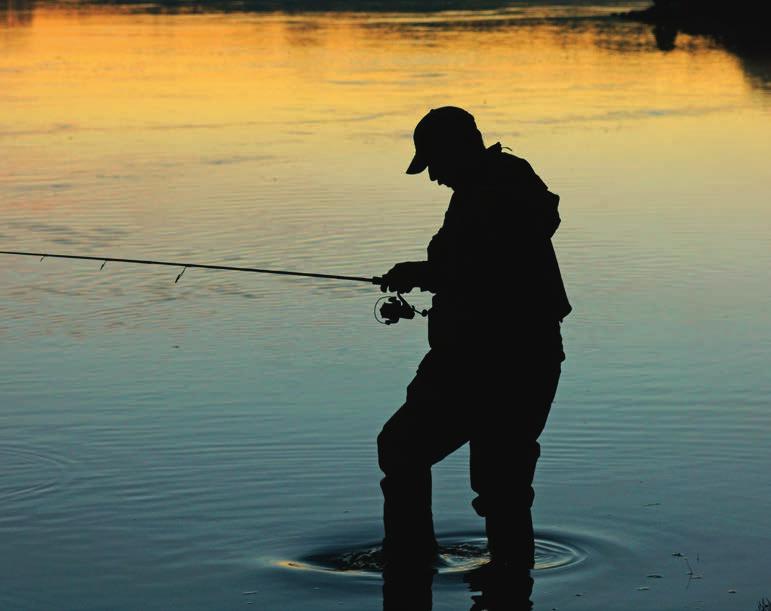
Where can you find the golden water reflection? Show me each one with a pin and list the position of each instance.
(102, 69)
(176, 129)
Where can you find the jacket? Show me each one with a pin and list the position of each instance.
(496, 237)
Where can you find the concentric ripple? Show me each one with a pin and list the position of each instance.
(457, 554)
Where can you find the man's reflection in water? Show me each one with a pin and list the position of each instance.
(407, 589)
(499, 587)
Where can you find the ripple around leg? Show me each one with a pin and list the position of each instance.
(457, 554)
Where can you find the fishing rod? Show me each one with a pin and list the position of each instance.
(184, 266)
(391, 311)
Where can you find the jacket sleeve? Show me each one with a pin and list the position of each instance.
(438, 270)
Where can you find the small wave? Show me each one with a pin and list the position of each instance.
(28, 472)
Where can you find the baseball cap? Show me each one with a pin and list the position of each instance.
(439, 129)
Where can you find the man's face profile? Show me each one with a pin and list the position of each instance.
(447, 167)
(439, 171)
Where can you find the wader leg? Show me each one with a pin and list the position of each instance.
(421, 433)
(504, 453)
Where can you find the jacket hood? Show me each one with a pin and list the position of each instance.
(536, 206)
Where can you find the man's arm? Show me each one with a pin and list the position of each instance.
(425, 275)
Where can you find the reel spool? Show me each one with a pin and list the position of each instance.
(394, 309)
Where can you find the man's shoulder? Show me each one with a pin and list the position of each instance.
(511, 166)
(510, 173)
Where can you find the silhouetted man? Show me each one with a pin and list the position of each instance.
(494, 363)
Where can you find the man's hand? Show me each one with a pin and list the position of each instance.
(403, 277)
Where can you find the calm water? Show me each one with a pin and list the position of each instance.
(183, 446)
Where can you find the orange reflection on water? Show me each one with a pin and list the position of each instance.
(185, 110)
(98, 69)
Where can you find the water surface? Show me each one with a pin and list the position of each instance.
(176, 445)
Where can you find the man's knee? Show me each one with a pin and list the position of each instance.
(388, 455)
(382, 449)
(502, 479)
(503, 502)
(399, 450)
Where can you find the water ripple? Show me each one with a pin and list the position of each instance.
(30, 472)
(457, 554)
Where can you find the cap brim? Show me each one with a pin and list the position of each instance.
(417, 165)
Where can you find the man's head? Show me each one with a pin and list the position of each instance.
(447, 142)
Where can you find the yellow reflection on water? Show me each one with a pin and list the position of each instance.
(168, 116)
(97, 69)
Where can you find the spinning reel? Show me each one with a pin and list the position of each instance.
(394, 309)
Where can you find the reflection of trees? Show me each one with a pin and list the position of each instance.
(758, 71)
(665, 36)
(16, 12)
(740, 26)
(736, 25)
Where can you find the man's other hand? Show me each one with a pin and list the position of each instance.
(403, 277)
